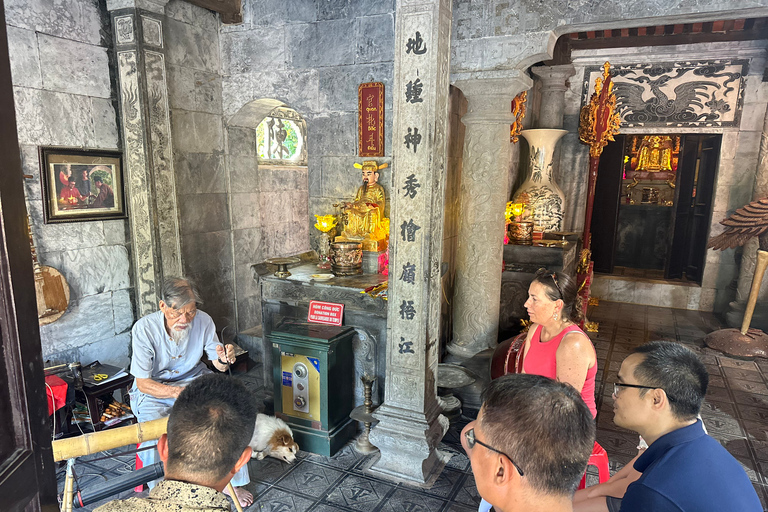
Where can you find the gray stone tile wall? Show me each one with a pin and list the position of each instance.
(64, 97)
(311, 56)
(202, 183)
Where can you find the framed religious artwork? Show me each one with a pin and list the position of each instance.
(370, 119)
(81, 184)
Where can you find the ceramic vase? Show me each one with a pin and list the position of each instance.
(544, 196)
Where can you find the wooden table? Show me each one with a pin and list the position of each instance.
(93, 396)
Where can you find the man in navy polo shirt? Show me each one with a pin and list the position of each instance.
(659, 392)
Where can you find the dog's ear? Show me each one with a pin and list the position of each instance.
(285, 439)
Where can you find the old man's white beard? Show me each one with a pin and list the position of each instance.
(180, 335)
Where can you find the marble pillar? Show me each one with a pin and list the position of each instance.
(148, 155)
(411, 425)
(482, 203)
(554, 83)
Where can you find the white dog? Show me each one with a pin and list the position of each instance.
(273, 437)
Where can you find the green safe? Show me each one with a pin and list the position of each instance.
(313, 374)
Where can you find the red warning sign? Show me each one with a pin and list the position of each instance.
(325, 312)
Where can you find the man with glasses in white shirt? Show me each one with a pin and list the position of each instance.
(168, 346)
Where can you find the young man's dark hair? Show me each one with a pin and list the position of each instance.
(530, 444)
(211, 423)
(675, 369)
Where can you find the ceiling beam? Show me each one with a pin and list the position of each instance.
(231, 11)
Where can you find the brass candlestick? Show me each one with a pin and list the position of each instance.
(364, 413)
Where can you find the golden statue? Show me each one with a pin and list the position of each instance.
(655, 153)
(364, 216)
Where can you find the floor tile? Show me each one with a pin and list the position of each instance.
(404, 500)
(749, 374)
(359, 493)
(737, 363)
(269, 469)
(748, 386)
(346, 458)
(277, 500)
(467, 494)
(309, 479)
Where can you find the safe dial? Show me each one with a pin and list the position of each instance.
(300, 370)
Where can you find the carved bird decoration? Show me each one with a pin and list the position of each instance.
(748, 221)
(660, 107)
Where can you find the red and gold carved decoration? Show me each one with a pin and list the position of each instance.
(518, 110)
(370, 121)
(599, 121)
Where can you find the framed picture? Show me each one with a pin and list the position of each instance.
(81, 184)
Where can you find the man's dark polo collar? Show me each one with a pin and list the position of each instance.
(666, 442)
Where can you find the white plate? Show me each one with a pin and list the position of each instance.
(322, 277)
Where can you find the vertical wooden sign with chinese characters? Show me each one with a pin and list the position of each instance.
(370, 119)
(410, 422)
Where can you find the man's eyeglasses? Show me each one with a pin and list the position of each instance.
(618, 385)
(175, 313)
(542, 272)
(471, 441)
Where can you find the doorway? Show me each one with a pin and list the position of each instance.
(653, 205)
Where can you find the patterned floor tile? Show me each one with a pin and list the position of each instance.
(720, 424)
(754, 414)
(748, 386)
(324, 507)
(344, 459)
(268, 470)
(617, 442)
(743, 374)
(454, 507)
(359, 493)
(277, 500)
(736, 363)
(309, 479)
(445, 484)
(750, 399)
(458, 460)
(467, 494)
(403, 500)
(758, 430)
(714, 406)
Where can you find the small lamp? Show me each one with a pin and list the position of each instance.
(324, 224)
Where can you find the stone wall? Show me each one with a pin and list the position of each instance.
(202, 184)
(735, 177)
(310, 56)
(60, 64)
(490, 37)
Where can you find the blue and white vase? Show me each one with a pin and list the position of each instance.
(544, 195)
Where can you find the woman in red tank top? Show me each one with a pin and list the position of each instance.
(555, 346)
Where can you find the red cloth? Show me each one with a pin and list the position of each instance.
(541, 359)
(56, 391)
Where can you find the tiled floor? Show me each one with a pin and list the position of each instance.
(736, 413)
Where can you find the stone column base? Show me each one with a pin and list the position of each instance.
(407, 443)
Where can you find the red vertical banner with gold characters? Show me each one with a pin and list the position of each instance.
(370, 121)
